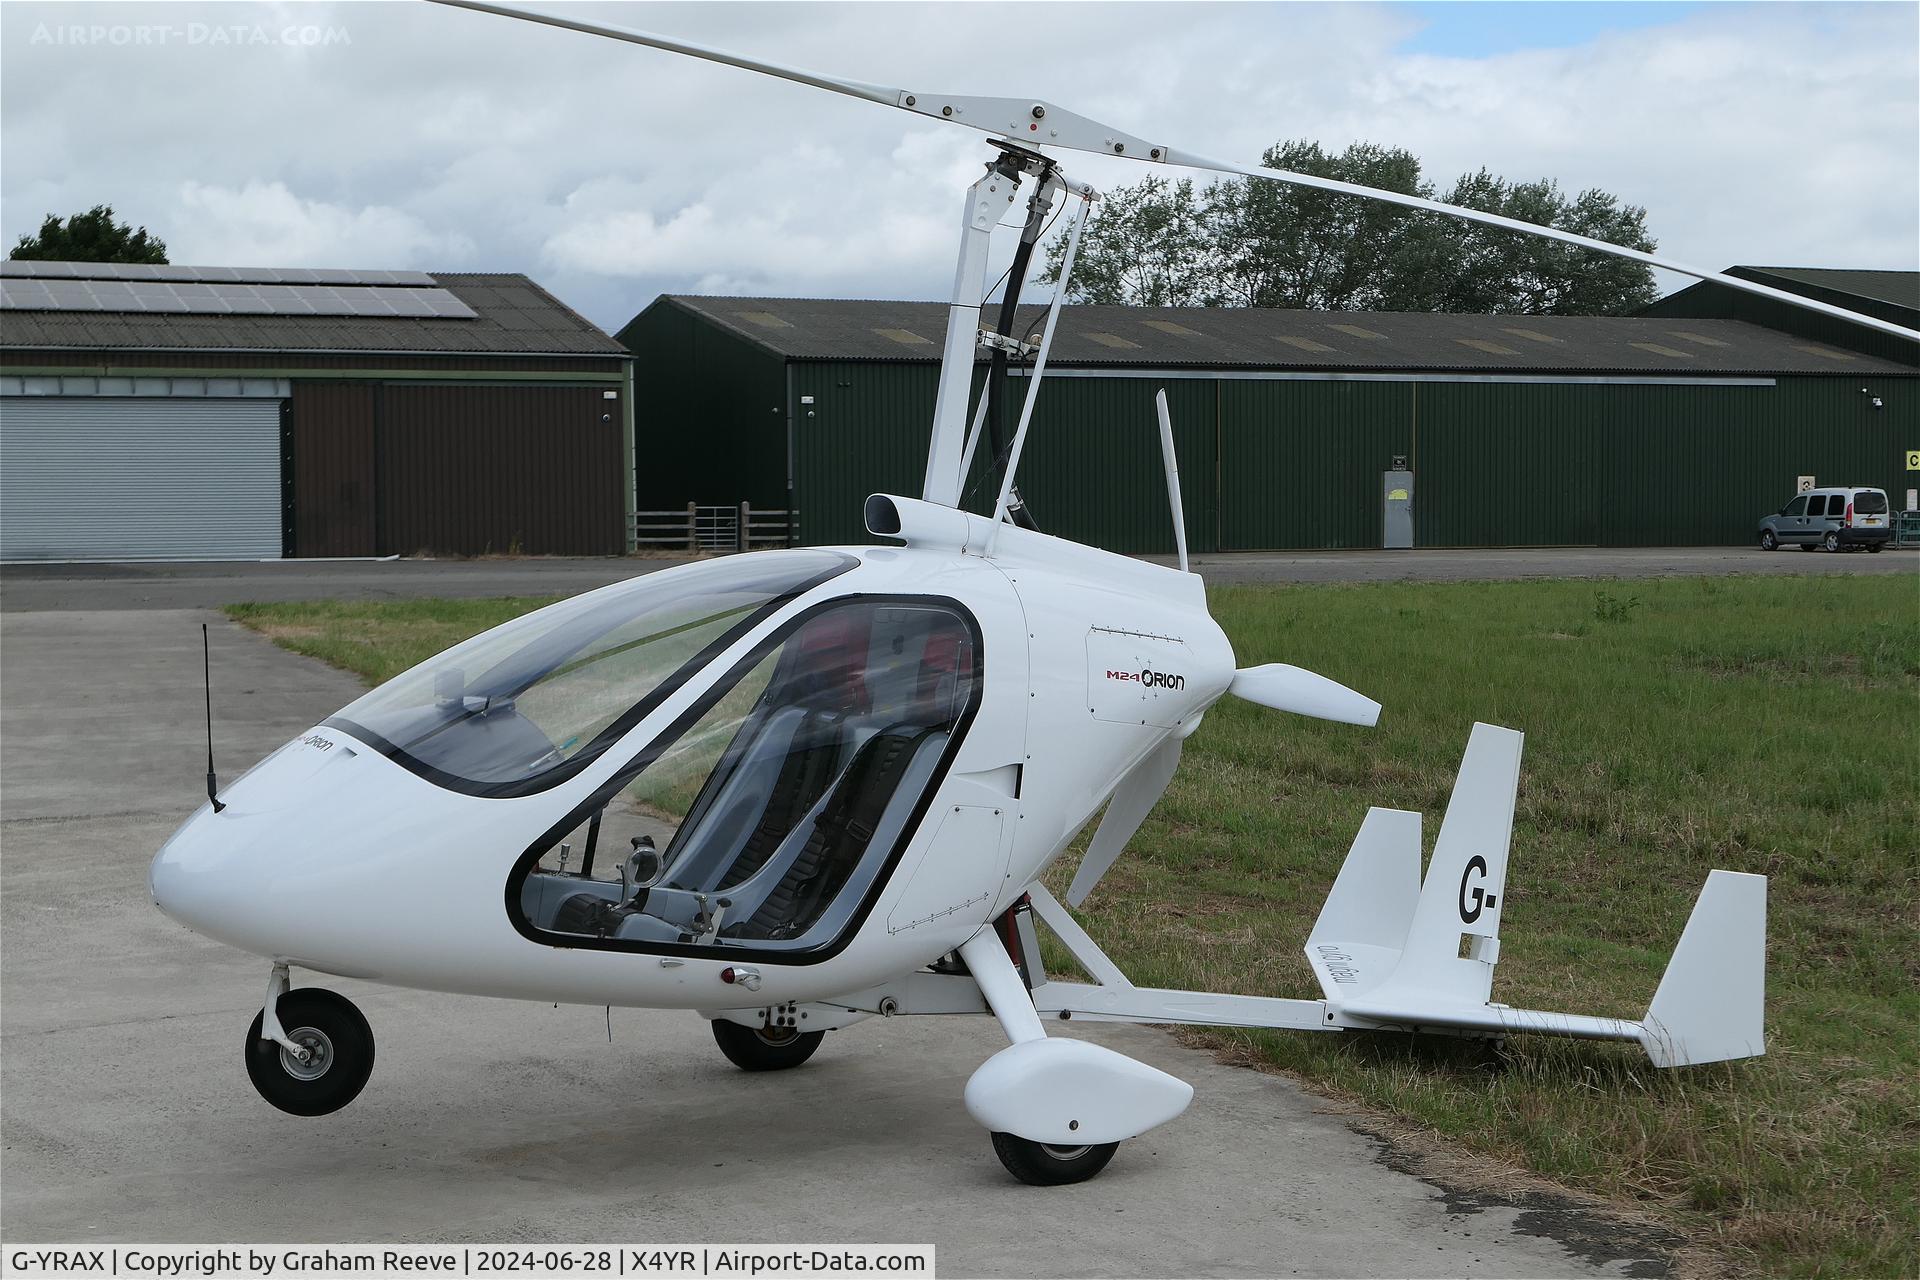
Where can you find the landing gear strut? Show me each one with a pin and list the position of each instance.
(317, 1055)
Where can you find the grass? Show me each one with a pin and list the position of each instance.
(1673, 726)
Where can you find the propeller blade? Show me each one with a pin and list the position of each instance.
(1035, 123)
(1171, 463)
(1132, 800)
(1295, 689)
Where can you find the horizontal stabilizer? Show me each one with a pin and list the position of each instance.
(1356, 942)
(1711, 1001)
(1295, 689)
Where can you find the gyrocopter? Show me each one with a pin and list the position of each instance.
(795, 789)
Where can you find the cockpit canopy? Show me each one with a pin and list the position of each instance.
(528, 704)
(767, 815)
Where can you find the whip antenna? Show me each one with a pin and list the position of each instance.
(206, 672)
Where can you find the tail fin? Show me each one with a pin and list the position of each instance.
(1711, 1001)
(1454, 939)
(1357, 940)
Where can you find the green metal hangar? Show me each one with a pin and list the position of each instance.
(1517, 431)
(190, 413)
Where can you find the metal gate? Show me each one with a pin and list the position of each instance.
(126, 478)
(716, 528)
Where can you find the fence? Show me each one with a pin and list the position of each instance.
(714, 530)
(1906, 529)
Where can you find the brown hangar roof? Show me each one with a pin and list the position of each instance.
(1245, 338)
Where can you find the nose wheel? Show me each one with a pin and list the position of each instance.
(327, 1057)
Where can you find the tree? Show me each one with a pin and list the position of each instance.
(1492, 270)
(1279, 245)
(92, 236)
(1253, 243)
(1147, 246)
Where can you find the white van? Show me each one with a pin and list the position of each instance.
(1837, 519)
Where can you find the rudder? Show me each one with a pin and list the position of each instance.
(1454, 940)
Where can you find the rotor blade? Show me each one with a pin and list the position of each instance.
(1132, 800)
(833, 84)
(1295, 689)
(1033, 122)
(1537, 229)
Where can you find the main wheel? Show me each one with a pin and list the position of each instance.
(339, 1044)
(1040, 1165)
(1875, 546)
(1832, 541)
(765, 1048)
(1768, 542)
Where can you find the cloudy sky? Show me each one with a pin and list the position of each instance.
(407, 135)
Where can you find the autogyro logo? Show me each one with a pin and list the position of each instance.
(1148, 678)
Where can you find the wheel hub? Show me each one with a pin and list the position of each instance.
(1065, 1153)
(319, 1054)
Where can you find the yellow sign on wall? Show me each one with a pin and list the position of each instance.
(1913, 459)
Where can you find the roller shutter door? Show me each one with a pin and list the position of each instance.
(118, 478)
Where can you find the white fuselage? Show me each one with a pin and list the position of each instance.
(332, 857)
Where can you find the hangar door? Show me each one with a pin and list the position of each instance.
(125, 478)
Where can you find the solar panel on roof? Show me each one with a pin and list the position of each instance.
(210, 298)
(171, 272)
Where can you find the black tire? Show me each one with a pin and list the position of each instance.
(1831, 542)
(1874, 547)
(328, 1023)
(765, 1048)
(1040, 1165)
(1806, 546)
(1768, 542)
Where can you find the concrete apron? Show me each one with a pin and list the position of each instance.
(128, 1115)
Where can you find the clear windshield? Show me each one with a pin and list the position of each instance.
(548, 691)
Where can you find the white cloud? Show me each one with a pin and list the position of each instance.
(437, 137)
(264, 224)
